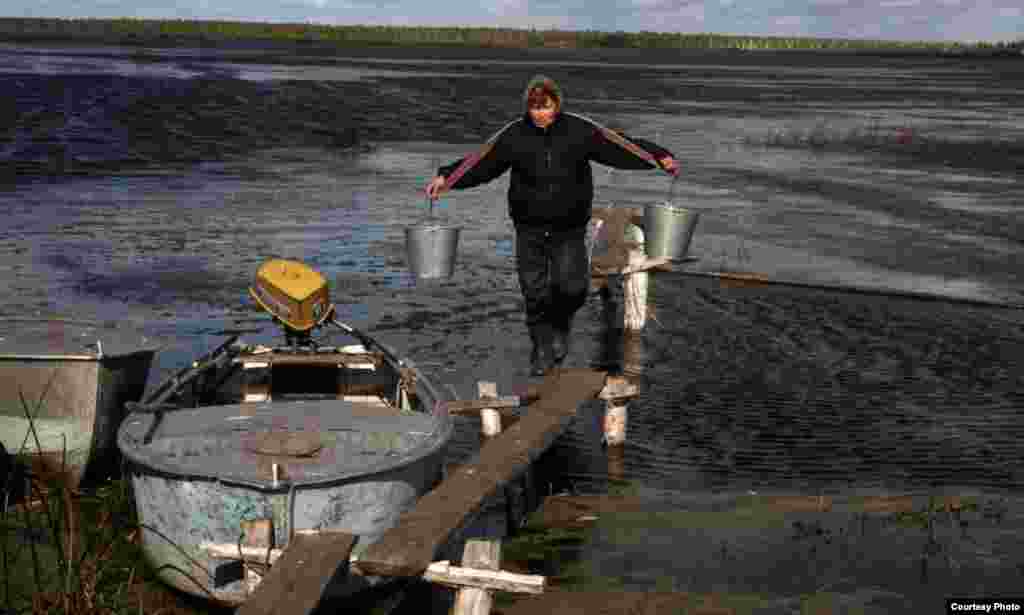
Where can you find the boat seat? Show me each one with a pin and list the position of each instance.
(357, 405)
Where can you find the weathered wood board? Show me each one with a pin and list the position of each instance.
(298, 578)
(408, 549)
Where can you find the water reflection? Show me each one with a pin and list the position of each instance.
(57, 61)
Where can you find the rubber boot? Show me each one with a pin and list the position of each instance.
(560, 341)
(541, 358)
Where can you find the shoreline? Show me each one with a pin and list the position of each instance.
(638, 55)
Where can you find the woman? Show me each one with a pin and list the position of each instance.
(550, 200)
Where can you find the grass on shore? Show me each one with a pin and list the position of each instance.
(147, 31)
(77, 553)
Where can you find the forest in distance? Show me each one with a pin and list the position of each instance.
(143, 32)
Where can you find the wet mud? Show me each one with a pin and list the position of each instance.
(57, 125)
(775, 554)
(68, 125)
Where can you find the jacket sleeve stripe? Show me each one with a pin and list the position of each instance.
(471, 160)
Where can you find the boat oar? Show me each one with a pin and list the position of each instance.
(366, 340)
(166, 389)
(156, 402)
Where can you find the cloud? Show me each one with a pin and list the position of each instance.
(653, 15)
(507, 7)
(669, 7)
(871, 30)
(786, 21)
(693, 12)
(899, 4)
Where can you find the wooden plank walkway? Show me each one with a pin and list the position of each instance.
(408, 549)
(298, 578)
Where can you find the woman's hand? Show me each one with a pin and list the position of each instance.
(436, 186)
(669, 164)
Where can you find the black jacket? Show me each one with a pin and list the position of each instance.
(552, 185)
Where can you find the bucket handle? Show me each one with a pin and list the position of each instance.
(672, 188)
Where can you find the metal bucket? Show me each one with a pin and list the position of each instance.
(668, 230)
(431, 249)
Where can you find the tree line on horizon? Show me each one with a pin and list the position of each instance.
(133, 30)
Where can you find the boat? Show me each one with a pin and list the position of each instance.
(74, 378)
(249, 444)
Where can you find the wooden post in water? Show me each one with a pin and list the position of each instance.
(615, 419)
(615, 395)
(481, 554)
(625, 256)
(490, 418)
(621, 390)
(634, 285)
(616, 245)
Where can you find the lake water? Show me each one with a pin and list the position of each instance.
(887, 173)
(829, 214)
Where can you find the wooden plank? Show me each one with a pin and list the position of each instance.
(296, 580)
(481, 581)
(326, 359)
(484, 555)
(257, 555)
(468, 406)
(646, 264)
(636, 215)
(480, 576)
(599, 275)
(619, 387)
(407, 549)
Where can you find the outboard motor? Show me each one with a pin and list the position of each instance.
(296, 296)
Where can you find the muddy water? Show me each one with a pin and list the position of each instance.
(839, 170)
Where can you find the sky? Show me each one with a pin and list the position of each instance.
(900, 20)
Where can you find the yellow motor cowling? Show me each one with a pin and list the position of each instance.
(294, 293)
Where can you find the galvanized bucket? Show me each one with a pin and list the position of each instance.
(668, 230)
(431, 248)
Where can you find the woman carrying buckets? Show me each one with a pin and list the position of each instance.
(550, 199)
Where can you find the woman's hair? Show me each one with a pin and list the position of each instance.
(540, 91)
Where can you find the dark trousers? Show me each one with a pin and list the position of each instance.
(554, 275)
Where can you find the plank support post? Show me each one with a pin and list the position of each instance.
(490, 418)
(616, 393)
(483, 554)
(625, 256)
(634, 285)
